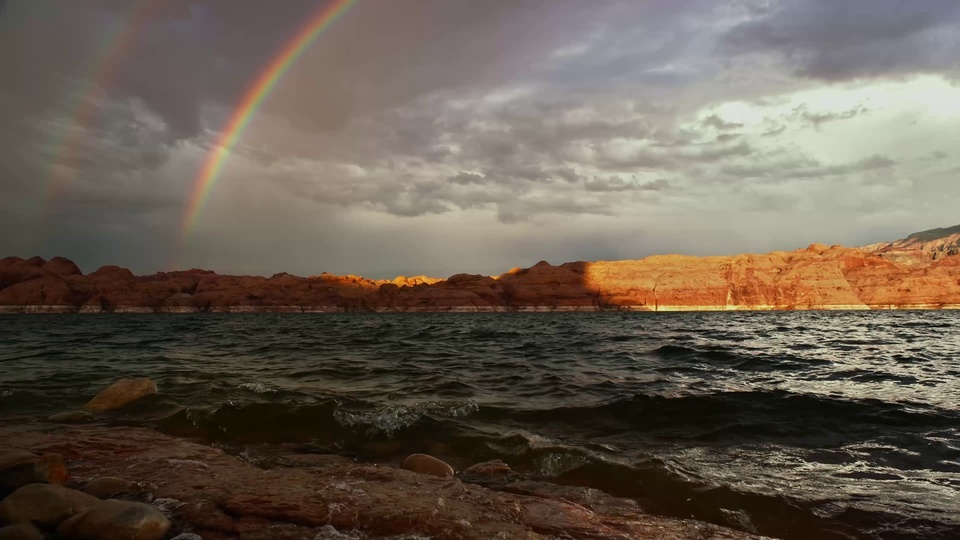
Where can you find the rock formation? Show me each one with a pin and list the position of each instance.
(920, 271)
(192, 491)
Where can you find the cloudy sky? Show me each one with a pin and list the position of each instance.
(443, 136)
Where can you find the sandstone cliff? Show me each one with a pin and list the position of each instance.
(920, 271)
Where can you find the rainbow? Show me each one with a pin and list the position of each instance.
(251, 101)
(114, 47)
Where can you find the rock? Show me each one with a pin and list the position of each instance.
(222, 496)
(11, 458)
(492, 474)
(920, 271)
(108, 486)
(51, 468)
(424, 464)
(19, 468)
(45, 505)
(21, 531)
(490, 469)
(71, 417)
(122, 393)
(116, 520)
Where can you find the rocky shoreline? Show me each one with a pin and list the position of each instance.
(66, 310)
(73, 477)
(172, 488)
(919, 272)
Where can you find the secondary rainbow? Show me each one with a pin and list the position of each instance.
(115, 46)
(252, 99)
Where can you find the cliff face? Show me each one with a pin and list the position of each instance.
(920, 248)
(920, 271)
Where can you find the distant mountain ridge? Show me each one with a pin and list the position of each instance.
(921, 271)
(916, 248)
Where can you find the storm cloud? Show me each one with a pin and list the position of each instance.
(439, 136)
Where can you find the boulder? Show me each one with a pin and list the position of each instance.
(45, 505)
(21, 531)
(116, 520)
(121, 394)
(424, 464)
(19, 468)
(108, 486)
(71, 417)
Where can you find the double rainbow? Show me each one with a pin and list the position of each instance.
(114, 47)
(252, 100)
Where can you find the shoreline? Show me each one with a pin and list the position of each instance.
(205, 491)
(143, 310)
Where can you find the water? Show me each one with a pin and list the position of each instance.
(793, 424)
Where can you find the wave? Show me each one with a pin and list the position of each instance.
(753, 414)
(290, 421)
(257, 388)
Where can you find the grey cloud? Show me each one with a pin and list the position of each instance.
(616, 184)
(784, 170)
(831, 40)
(506, 125)
(465, 178)
(720, 124)
(817, 119)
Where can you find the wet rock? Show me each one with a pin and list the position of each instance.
(490, 469)
(11, 457)
(312, 460)
(71, 417)
(424, 464)
(108, 486)
(116, 520)
(19, 468)
(491, 474)
(228, 498)
(21, 531)
(121, 394)
(44, 505)
(185, 536)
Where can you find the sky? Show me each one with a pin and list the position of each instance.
(444, 136)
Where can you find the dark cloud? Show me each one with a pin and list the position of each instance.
(412, 132)
(818, 118)
(831, 40)
(790, 169)
(719, 124)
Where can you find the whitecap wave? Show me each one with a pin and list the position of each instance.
(257, 388)
(392, 418)
(557, 463)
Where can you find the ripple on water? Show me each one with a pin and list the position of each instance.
(796, 425)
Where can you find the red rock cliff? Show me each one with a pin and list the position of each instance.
(920, 271)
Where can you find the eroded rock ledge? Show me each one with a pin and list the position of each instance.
(208, 492)
(919, 272)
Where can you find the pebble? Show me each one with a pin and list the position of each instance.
(116, 520)
(490, 469)
(107, 486)
(424, 464)
(45, 505)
